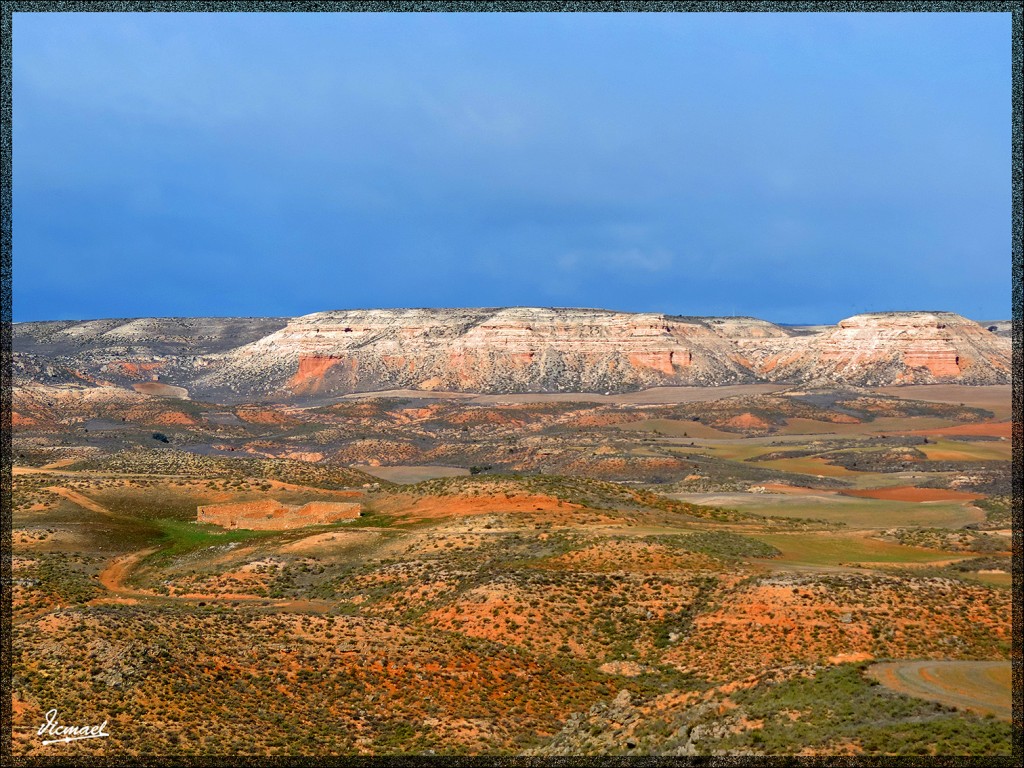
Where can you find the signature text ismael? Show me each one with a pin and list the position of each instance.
(65, 733)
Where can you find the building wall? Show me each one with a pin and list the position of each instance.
(271, 515)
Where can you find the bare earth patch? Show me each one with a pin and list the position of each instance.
(161, 390)
(911, 493)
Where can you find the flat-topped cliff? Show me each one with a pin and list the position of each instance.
(499, 350)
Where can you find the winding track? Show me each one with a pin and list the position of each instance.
(114, 578)
(83, 501)
(981, 686)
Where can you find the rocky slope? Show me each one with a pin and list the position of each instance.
(503, 350)
(175, 350)
(490, 350)
(882, 349)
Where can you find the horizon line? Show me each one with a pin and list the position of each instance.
(1008, 318)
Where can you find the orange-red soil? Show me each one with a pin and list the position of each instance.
(912, 493)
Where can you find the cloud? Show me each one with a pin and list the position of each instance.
(624, 262)
(762, 160)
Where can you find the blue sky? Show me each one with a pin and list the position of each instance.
(794, 167)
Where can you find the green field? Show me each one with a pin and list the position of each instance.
(179, 538)
(962, 450)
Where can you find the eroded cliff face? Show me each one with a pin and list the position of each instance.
(510, 350)
(489, 350)
(120, 352)
(894, 348)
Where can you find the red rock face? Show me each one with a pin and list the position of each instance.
(897, 348)
(658, 361)
(311, 371)
(941, 363)
(552, 350)
(135, 370)
(771, 363)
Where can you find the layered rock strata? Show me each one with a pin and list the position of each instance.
(882, 349)
(505, 350)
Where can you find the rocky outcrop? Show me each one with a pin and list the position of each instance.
(171, 336)
(505, 350)
(891, 348)
(173, 350)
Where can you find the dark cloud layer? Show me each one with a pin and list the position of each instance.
(797, 167)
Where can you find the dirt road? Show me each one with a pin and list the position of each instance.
(82, 501)
(113, 577)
